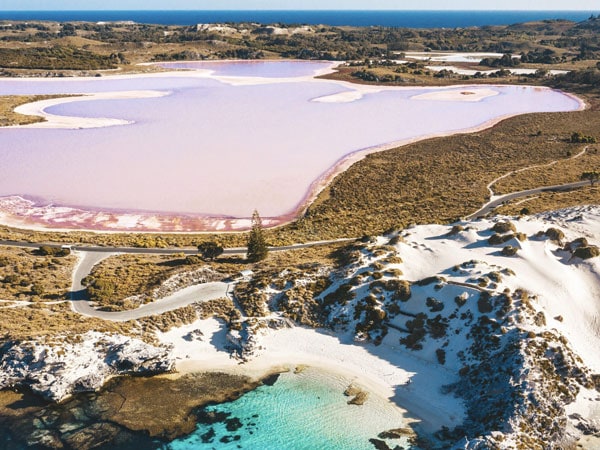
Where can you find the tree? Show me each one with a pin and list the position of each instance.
(592, 176)
(210, 250)
(257, 246)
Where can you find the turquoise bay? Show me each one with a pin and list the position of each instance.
(304, 411)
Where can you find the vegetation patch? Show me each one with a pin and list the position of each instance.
(587, 252)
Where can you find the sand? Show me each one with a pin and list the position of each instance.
(65, 122)
(379, 370)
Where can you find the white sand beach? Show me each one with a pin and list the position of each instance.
(380, 370)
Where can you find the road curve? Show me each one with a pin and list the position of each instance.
(184, 297)
(499, 200)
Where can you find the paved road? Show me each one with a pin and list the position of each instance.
(493, 204)
(92, 255)
(184, 297)
(165, 251)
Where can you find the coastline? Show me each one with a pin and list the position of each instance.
(386, 371)
(54, 121)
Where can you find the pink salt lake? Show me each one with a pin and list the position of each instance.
(221, 140)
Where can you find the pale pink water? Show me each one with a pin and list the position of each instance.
(213, 149)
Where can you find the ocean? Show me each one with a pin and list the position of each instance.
(410, 19)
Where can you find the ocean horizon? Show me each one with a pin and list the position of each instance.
(385, 18)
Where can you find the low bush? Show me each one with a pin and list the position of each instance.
(587, 252)
(504, 227)
(509, 250)
(555, 234)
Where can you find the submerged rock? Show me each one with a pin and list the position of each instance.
(129, 412)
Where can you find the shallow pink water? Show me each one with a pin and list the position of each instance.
(211, 149)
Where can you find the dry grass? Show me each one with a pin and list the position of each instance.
(39, 323)
(564, 171)
(550, 201)
(122, 276)
(119, 277)
(8, 103)
(439, 179)
(24, 275)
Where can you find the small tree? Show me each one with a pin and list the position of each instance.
(592, 176)
(257, 246)
(210, 250)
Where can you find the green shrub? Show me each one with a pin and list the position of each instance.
(484, 305)
(460, 300)
(497, 239)
(509, 250)
(504, 227)
(434, 304)
(340, 296)
(456, 229)
(555, 234)
(579, 242)
(430, 280)
(587, 252)
(441, 356)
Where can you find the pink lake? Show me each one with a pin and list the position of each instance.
(221, 142)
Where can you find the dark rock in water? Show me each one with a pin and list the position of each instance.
(271, 379)
(396, 433)
(209, 436)
(379, 445)
(233, 424)
(226, 439)
(44, 439)
(351, 391)
(359, 397)
(211, 417)
(129, 413)
(94, 436)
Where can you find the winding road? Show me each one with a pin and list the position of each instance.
(91, 255)
(500, 199)
(184, 297)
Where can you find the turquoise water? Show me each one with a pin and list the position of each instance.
(300, 411)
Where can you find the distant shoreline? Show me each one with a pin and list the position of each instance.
(387, 18)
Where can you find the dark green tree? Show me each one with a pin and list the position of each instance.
(210, 250)
(257, 245)
(592, 176)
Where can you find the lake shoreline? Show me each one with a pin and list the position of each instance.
(21, 212)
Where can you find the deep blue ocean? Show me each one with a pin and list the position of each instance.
(412, 19)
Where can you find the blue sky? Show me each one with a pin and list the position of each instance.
(586, 5)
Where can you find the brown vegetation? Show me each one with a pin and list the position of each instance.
(27, 275)
(8, 103)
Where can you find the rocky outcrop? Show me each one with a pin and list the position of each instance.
(359, 397)
(78, 363)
